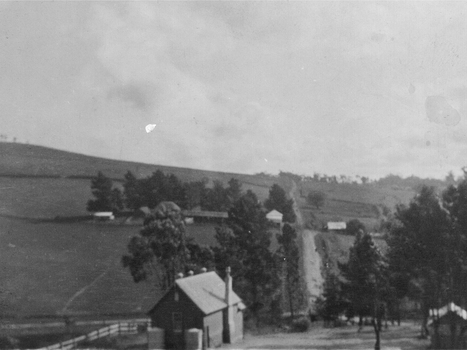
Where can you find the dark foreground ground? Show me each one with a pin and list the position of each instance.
(404, 337)
(395, 337)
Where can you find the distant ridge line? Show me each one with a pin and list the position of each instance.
(31, 148)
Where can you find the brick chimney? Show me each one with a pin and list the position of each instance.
(228, 286)
(229, 324)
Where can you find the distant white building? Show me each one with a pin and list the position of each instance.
(104, 215)
(274, 216)
(336, 226)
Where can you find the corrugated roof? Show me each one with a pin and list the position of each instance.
(206, 214)
(207, 291)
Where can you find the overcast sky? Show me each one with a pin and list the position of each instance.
(355, 88)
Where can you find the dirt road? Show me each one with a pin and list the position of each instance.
(310, 257)
(344, 338)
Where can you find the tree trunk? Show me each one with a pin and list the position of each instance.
(377, 327)
(360, 323)
(289, 291)
(424, 329)
(398, 312)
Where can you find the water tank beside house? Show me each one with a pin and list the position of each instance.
(156, 338)
(193, 339)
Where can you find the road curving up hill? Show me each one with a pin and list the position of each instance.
(310, 257)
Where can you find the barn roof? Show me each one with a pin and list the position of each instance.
(206, 214)
(103, 214)
(207, 291)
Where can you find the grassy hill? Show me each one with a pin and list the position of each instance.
(39, 182)
(352, 201)
(49, 267)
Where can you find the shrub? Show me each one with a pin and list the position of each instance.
(300, 325)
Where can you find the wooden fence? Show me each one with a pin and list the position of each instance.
(115, 329)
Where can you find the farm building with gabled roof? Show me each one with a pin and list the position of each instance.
(104, 215)
(336, 226)
(204, 302)
(274, 216)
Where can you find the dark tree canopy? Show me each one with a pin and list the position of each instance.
(152, 190)
(215, 198)
(106, 197)
(354, 226)
(194, 191)
(332, 302)
(366, 281)
(316, 198)
(421, 249)
(289, 254)
(161, 250)
(244, 245)
(278, 200)
(219, 198)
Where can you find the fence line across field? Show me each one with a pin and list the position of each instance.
(118, 328)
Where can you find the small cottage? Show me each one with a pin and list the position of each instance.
(336, 226)
(448, 327)
(104, 215)
(204, 302)
(274, 216)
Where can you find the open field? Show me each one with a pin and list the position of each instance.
(48, 268)
(351, 201)
(43, 198)
(318, 338)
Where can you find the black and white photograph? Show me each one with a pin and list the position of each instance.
(233, 175)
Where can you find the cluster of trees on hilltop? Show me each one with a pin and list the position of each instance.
(159, 187)
(391, 180)
(426, 262)
(161, 249)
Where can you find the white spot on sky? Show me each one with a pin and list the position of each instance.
(265, 160)
(150, 127)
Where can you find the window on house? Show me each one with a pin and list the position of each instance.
(177, 321)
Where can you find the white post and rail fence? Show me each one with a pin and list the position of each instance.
(115, 329)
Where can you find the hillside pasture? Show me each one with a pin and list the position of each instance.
(17, 160)
(43, 198)
(74, 268)
(370, 194)
(48, 268)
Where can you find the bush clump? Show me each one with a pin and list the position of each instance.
(300, 325)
